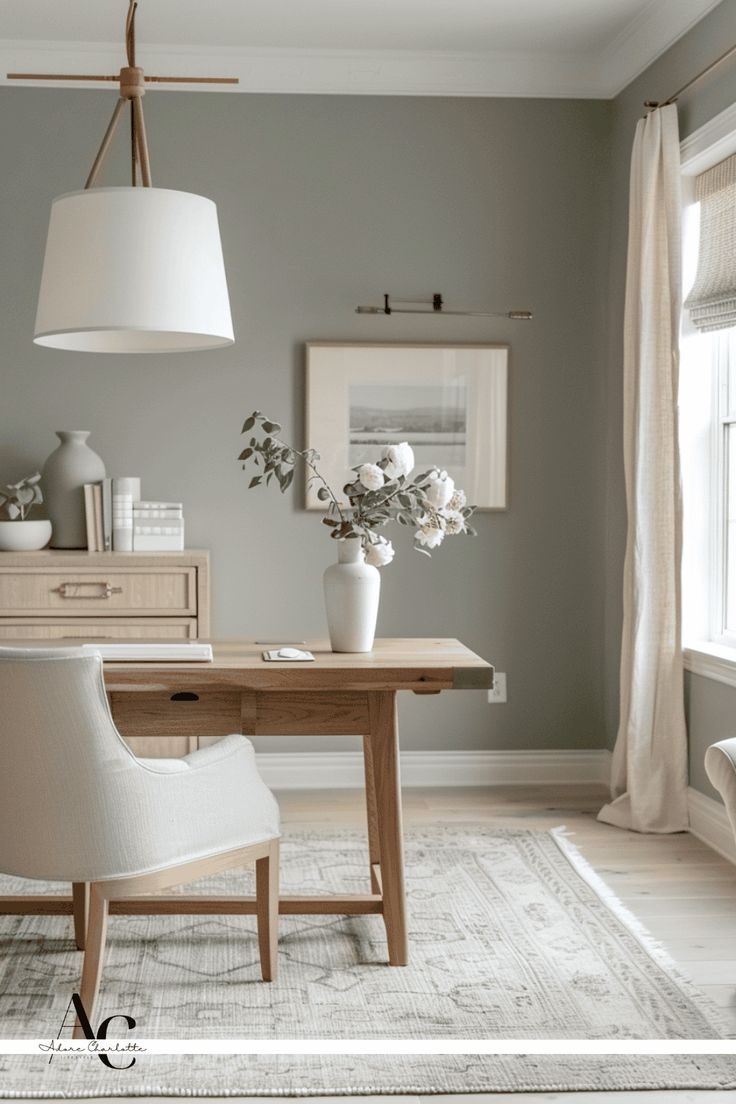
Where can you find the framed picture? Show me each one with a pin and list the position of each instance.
(448, 401)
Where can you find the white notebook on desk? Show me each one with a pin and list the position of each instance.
(162, 652)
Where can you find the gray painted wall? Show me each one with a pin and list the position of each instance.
(711, 707)
(326, 202)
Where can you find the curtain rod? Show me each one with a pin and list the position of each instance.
(694, 80)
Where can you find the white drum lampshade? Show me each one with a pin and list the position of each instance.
(133, 270)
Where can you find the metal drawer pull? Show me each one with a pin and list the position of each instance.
(70, 590)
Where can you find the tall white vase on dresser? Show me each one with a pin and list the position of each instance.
(352, 591)
(64, 474)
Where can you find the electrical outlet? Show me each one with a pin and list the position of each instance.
(497, 696)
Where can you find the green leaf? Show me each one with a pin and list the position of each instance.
(248, 424)
(288, 479)
(245, 454)
(272, 427)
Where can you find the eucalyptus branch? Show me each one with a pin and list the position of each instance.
(377, 494)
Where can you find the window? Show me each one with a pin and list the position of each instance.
(708, 411)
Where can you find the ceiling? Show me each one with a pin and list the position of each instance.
(420, 47)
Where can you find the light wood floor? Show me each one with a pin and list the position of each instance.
(681, 890)
(684, 892)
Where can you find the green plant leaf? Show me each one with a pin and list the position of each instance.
(248, 424)
(245, 454)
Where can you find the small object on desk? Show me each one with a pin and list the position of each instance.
(282, 643)
(289, 655)
(163, 652)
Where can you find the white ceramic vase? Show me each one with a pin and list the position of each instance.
(352, 591)
(24, 536)
(63, 477)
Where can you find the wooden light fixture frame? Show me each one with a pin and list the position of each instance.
(133, 82)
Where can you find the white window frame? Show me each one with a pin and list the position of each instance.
(707, 648)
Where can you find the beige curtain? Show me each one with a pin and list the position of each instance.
(649, 782)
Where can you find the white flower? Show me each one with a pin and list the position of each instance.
(371, 476)
(428, 534)
(379, 554)
(457, 502)
(454, 521)
(400, 459)
(440, 489)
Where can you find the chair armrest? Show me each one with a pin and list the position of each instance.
(720, 766)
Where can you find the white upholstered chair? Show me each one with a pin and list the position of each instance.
(77, 806)
(720, 766)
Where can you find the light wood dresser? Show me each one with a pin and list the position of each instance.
(78, 595)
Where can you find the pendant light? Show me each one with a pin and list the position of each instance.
(132, 269)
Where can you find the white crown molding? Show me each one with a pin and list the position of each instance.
(344, 769)
(649, 34)
(318, 72)
(382, 72)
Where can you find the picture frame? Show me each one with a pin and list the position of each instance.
(449, 401)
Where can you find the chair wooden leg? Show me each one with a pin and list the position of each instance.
(80, 908)
(93, 955)
(267, 911)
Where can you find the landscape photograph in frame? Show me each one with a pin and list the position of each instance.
(450, 402)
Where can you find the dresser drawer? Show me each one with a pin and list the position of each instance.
(99, 628)
(145, 592)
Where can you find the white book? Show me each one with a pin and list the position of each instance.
(107, 514)
(125, 491)
(144, 542)
(89, 516)
(99, 532)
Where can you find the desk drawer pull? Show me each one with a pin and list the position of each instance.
(184, 696)
(71, 590)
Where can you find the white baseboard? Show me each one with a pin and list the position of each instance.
(709, 822)
(344, 769)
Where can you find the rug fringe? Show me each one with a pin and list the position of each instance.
(653, 946)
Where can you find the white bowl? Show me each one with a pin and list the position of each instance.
(24, 536)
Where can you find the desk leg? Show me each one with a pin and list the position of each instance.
(384, 746)
(374, 850)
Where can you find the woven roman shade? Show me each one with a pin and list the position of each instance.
(712, 301)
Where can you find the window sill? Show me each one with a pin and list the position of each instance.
(713, 661)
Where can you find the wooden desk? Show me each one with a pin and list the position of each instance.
(338, 694)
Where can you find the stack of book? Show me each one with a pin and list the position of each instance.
(99, 527)
(109, 511)
(118, 521)
(158, 527)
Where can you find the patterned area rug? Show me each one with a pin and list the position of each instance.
(511, 934)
